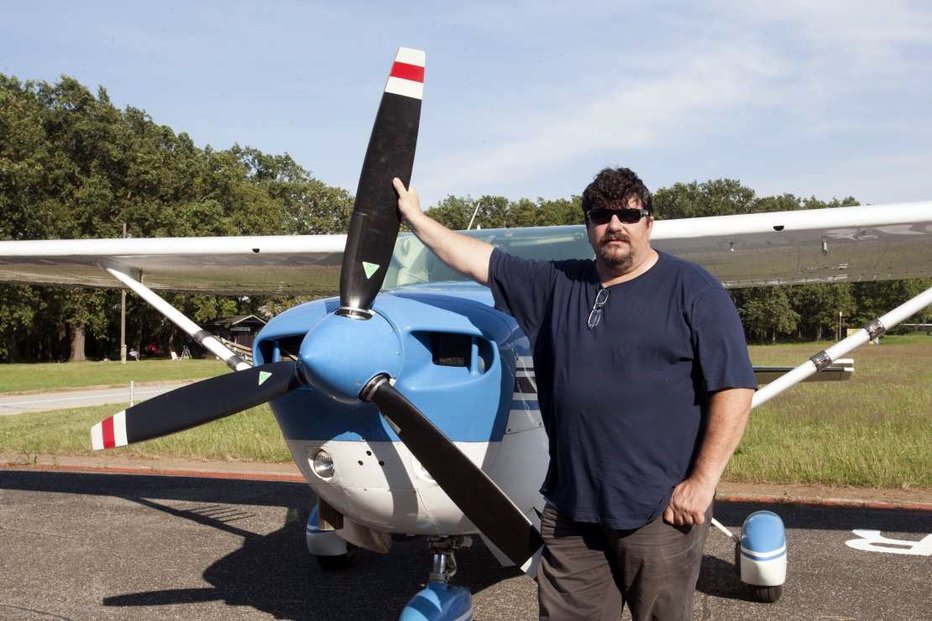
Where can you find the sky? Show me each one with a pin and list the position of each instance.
(524, 99)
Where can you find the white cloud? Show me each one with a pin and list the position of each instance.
(803, 77)
(866, 27)
(696, 92)
(845, 42)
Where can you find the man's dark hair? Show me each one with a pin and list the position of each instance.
(613, 188)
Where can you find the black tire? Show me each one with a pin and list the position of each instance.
(768, 594)
(339, 562)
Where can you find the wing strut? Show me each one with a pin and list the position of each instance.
(840, 370)
(203, 337)
(826, 357)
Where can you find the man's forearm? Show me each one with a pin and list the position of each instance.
(728, 416)
(464, 254)
(729, 411)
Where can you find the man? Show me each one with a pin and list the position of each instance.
(645, 388)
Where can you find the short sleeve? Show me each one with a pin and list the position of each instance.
(718, 339)
(522, 288)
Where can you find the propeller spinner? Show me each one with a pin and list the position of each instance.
(370, 242)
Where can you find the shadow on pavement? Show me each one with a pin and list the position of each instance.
(272, 573)
(827, 518)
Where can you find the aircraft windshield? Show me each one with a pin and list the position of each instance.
(412, 263)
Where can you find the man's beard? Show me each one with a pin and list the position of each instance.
(612, 258)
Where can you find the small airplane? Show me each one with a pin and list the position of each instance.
(409, 402)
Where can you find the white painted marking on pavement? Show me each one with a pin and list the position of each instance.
(873, 541)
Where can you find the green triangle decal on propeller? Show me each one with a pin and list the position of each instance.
(264, 375)
(370, 268)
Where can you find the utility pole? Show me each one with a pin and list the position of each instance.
(123, 316)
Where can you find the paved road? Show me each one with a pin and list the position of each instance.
(59, 400)
(106, 546)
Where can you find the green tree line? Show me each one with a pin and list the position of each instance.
(72, 165)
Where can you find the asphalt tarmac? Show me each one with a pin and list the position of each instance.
(115, 546)
(11, 403)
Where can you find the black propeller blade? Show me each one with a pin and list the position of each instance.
(375, 221)
(370, 242)
(477, 496)
(195, 404)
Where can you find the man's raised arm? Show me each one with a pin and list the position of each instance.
(466, 255)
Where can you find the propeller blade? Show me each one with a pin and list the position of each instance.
(195, 404)
(375, 221)
(477, 496)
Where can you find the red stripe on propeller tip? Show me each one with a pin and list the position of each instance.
(107, 432)
(408, 72)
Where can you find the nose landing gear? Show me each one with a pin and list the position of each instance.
(439, 600)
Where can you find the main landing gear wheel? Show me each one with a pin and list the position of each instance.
(768, 594)
(765, 594)
(760, 556)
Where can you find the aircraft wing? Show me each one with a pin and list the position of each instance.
(877, 242)
(279, 264)
(868, 242)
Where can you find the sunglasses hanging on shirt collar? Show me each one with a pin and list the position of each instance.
(595, 315)
(628, 215)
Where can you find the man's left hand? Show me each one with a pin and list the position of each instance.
(689, 502)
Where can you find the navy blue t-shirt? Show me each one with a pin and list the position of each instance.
(623, 403)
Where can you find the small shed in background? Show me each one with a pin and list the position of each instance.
(239, 329)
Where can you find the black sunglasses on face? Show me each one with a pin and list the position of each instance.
(629, 215)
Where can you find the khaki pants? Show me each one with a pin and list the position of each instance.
(588, 572)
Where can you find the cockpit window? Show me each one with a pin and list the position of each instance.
(412, 263)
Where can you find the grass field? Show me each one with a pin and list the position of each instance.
(55, 376)
(873, 431)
